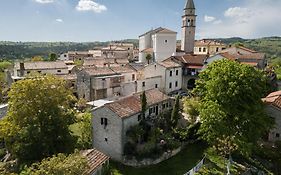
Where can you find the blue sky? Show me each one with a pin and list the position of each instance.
(103, 20)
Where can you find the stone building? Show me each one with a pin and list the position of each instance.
(273, 109)
(188, 27)
(94, 83)
(113, 120)
(242, 55)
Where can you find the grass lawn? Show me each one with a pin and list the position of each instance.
(177, 165)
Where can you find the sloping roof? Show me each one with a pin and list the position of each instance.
(158, 30)
(40, 65)
(273, 99)
(95, 159)
(192, 59)
(131, 105)
(189, 4)
(122, 69)
(208, 43)
(168, 63)
(137, 66)
(68, 76)
(99, 71)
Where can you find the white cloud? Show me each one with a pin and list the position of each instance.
(59, 20)
(217, 21)
(44, 1)
(209, 18)
(256, 18)
(89, 5)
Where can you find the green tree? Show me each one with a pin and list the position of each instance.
(37, 58)
(84, 127)
(53, 57)
(176, 112)
(191, 107)
(148, 58)
(38, 119)
(143, 104)
(231, 104)
(72, 164)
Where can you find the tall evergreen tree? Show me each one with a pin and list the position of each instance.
(175, 113)
(143, 104)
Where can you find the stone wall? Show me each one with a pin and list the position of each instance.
(148, 162)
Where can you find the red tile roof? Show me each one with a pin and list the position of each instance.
(192, 59)
(95, 160)
(168, 63)
(131, 105)
(273, 99)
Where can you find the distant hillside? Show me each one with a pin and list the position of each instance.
(19, 50)
(269, 45)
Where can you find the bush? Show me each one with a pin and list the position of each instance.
(2, 153)
(130, 149)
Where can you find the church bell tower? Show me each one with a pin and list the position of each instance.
(188, 27)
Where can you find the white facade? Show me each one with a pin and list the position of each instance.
(155, 75)
(164, 45)
(160, 43)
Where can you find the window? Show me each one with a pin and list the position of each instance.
(200, 49)
(143, 84)
(277, 135)
(105, 139)
(177, 72)
(58, 70)
(166, 41)
(171, 73)
(28, 72)
(156, 86)
(39, 72)
(217, 49)
(170, 86)
(139, 117)
(176, 84)
(104, 121)
(133, 77)
(204, 49)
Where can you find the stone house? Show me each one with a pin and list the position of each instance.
(22, 69)
(94, 83)
(112, 121)
(245, 56)
(97, 161)
(273, 109)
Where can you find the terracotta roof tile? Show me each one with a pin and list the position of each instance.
(95, 160)
(99, 71)
(131, 105)
(168, 63)
(40, 65)
(273, 99)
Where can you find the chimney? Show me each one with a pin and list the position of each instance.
(21, 69)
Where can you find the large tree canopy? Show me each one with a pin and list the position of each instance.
(72, 164)
(38, 119)
(231, 103)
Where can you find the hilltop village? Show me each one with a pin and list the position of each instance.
(140, 98)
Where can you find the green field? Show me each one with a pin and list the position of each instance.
(177, 165)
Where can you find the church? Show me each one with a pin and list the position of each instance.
(159, 44)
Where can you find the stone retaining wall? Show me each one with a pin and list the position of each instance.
(148, 162)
